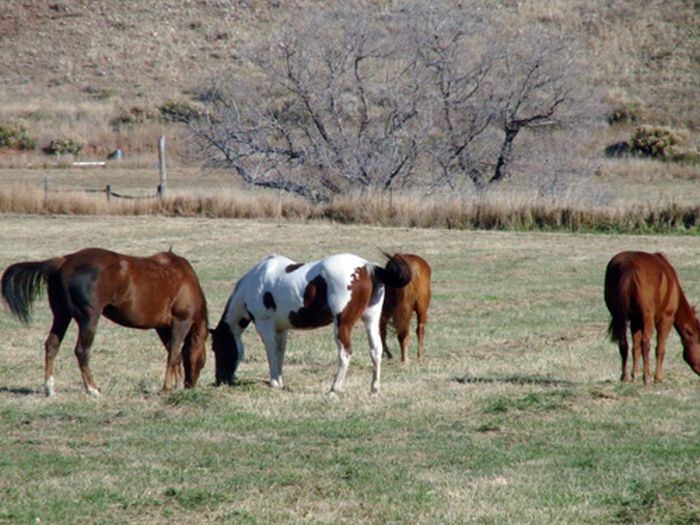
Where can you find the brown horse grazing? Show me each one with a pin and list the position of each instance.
(161, 292)
(643, 288)
(400, 303)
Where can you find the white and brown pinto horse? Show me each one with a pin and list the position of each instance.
(279, 295)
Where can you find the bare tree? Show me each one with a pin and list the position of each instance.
(336, 109)
(487, 82)
(541, 87)
(456, 58)
(353, 98)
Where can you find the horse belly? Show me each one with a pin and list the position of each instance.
(127, 315)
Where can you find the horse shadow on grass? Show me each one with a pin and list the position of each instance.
(17, 391)
(515, 379)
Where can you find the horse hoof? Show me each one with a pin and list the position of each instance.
(94, 392)
(48, 387)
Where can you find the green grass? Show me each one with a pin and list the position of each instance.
(515, 417)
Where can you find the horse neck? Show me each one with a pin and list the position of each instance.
(685, 314)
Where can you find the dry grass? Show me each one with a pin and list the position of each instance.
(496, 211)
(515, 417)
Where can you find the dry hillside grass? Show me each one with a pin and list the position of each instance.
(71, 66)
(75, 50)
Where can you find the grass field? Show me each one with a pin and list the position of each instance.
(515, 417)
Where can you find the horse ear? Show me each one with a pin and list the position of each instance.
(386, 254)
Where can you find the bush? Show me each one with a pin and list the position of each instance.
(135, 116)
(179, 111)
(63, 147)
(15, 136)
(624, 114)
(659, 142)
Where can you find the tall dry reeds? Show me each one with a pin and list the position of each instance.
(489, 212)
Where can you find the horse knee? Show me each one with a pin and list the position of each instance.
(82, 354)
(51, 345)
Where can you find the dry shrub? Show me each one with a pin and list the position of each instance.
(663, 143)
(14, 135)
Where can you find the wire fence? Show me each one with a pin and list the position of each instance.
(107, 190)
(109, 193)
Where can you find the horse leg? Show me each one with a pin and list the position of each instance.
(86, 335)
(371, 322)
(402, 321)
(342, 342)
(194, 353)
(646, 346)
(172, 338)
(382, 333)
(624, 352)
(422, 319)
(636, 351)
(51, 346)
(271, 339)
(281, 349)
(662, 330)
(404, 336)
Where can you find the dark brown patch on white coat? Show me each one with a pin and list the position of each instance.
(269, 301)
(315, 312)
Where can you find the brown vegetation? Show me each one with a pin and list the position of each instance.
(490, 212)
(72, 70)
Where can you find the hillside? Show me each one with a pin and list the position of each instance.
(72, 66)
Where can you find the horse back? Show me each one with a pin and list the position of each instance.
(141, 292)
(639, 283)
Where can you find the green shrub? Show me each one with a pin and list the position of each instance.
(63, 147)
(14, 136)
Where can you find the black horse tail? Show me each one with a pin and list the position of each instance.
(619, 287)
(396, 273)
(22, 282)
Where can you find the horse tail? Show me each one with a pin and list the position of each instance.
(619, 286)
(22, 282)
(396, 273)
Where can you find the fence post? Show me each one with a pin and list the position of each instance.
(161, 167)
(47, 184)
(108, 191)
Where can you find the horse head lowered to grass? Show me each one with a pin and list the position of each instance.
(161, 292)
(643, 289)
(279, 295)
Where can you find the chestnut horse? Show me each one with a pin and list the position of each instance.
(161, 292)
(401, 303)
(643, 289)
(279, 295)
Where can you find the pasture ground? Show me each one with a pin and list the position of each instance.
(515, 417)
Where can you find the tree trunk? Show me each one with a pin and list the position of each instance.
(501, 171)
